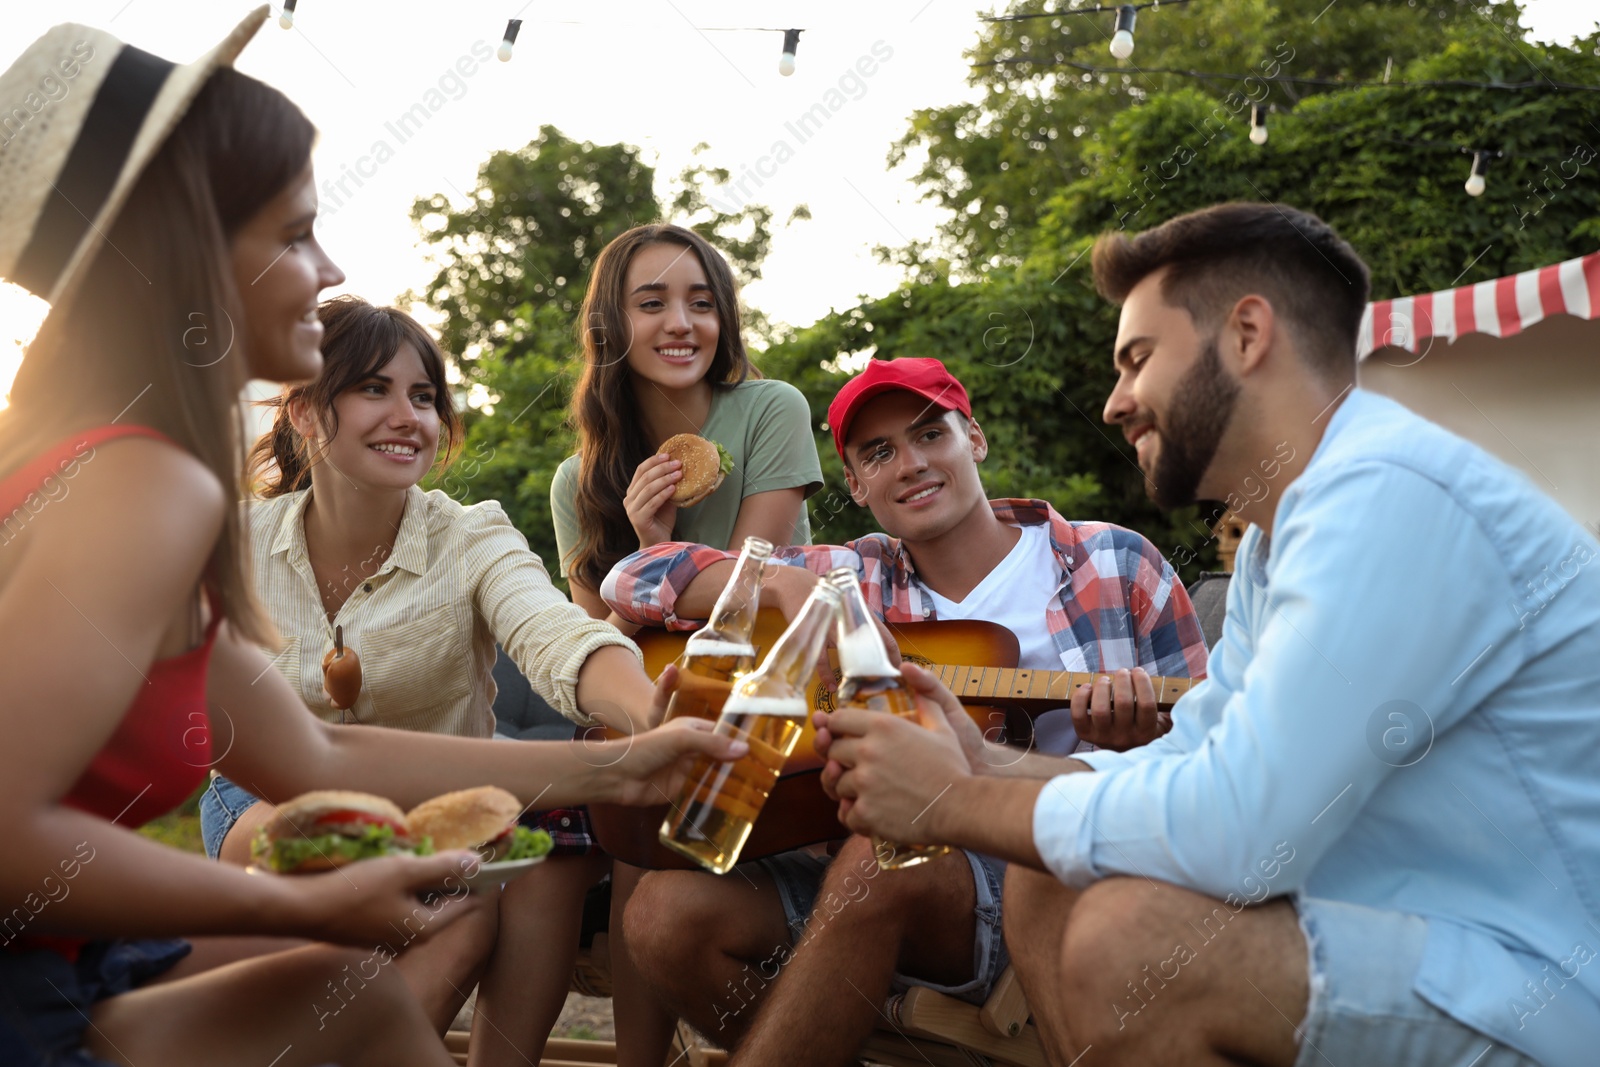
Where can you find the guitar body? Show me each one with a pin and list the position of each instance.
(798, 813)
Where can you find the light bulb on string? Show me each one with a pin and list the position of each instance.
(503, 53)
(1122, 39)
(1258, 124)
(1475, 181)
(286, 16)
(791, 41)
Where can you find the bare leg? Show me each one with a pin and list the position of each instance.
(699, 941)
(1035, 916)
(867, 924)
(644, 1025)
(209, 953)
(1146, 972)
(440, 970)
(267, 1010)
(526, 982)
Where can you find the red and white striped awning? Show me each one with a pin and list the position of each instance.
(1500, 308)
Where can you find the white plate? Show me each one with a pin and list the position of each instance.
(481, 880)
(493, 874)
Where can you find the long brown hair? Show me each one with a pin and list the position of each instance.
(143, 333)
(605, 411)
(359, 339)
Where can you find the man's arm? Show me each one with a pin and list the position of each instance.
(676, 584)
(1288, 756)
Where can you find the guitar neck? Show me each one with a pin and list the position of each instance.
(1038, 690)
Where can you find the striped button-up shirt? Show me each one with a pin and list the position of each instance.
(1118, 603)
(458, 579)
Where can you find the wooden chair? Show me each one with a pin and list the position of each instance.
(923, 1027)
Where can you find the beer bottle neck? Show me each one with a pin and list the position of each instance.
(733, 619)
(862, 653)
(788, 666)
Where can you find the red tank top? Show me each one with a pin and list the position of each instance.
(161, 750)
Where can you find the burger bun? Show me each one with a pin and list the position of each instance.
(466, 818)
(702, 467)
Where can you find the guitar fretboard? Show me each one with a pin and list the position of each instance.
(1007, 685)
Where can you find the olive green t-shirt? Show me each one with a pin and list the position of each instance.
(765, 425)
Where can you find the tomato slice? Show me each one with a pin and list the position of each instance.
(344, 815)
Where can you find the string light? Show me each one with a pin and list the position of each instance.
(504, 51)
(1258, 124)
(791, 41)
(1475, 181)
(1122, 39)
(286, 16)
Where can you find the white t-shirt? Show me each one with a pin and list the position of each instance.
(1017, 594)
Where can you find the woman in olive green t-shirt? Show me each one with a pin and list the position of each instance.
(663, 356)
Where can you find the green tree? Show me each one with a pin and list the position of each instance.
(528, 233)
(1051, 90)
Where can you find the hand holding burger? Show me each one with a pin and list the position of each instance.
(685, 470)
(704, 465)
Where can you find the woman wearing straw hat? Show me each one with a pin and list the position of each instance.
(166, 211)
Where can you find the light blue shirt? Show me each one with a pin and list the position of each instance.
(1405, 701)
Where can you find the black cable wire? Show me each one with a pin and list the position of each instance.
(1335, 83)
(1084, 11)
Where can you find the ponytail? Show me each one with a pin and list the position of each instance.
(281, 461)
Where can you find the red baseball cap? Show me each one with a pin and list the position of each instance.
(925, 377)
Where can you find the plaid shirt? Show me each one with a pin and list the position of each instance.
(1119, 603)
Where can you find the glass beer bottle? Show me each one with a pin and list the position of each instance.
(723, 647)
(870, 681)
(714, 812)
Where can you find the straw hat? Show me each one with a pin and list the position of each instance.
(81, 115)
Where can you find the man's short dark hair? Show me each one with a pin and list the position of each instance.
(1215, 256)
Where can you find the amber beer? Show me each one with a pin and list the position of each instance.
(722, 649)
(712, 817)
(870, 681)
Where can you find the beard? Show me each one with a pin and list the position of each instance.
(1202, 406)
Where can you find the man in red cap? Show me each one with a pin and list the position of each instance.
(1081, 596)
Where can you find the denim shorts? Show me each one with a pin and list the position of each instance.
(798, 876)
(1363, 1008)
(45, 998)
(220, 807)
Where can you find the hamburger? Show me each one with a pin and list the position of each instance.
(483, 819)
(705, 464)
(329, 828)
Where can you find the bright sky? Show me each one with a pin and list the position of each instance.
(649, 74)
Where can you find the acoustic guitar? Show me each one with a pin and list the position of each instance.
(977, 661)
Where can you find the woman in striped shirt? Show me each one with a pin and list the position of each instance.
(421, 587)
